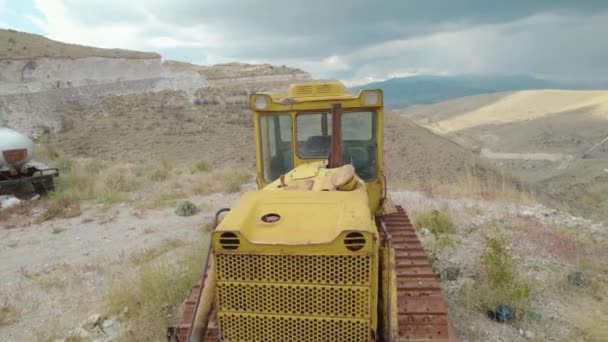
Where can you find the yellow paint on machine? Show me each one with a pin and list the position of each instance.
(299, 258)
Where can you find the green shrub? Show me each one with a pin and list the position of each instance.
(186, 208)
(435, 221)
(497, 284)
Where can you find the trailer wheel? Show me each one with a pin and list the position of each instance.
(44, 185)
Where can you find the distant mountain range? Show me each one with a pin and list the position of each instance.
(425, 89)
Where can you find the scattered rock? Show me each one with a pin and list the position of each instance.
(186, 208)
(80, 332)
(424, 231)
(529, 334)
(93, 321)
(502, 314)
(451, 273)
(9, 201)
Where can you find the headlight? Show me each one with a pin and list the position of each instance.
(260, 102)
(371, 98)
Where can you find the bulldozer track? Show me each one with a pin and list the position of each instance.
(421, 311)
(178, 331)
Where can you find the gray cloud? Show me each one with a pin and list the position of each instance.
(359, 39)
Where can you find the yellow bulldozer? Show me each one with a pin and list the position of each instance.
(318, 252)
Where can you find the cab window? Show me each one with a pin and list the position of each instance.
(358, 139)
(313, 135)
(275, 131)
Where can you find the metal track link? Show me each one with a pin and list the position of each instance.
(421, 311)
(181, 329)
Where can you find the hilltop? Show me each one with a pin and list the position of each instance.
(21, 45)
(429, 89)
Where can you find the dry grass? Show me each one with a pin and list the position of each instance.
(491, 186)
(57, 207)
(57, 277)
(591, 321)
(435, 221)
(55, 331)
(200, 166)
(233, 180)
(155, 293)
(161, 172)
(202, 187)
(150, 254)
(94, 180)
(160, 200)
(9, 312)
(26, 45)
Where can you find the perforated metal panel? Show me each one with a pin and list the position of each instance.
(311, 269)
(294, 297)
(265, 328)
(337, 301)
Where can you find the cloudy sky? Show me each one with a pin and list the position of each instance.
(356, 41)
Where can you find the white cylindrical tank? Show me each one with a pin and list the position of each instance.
(16, 147)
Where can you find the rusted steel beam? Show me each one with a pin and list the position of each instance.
(335, 156)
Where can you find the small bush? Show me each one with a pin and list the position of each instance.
(186, 208)
(233, 180)
(435, 221)
(201, 166)
(497, 284)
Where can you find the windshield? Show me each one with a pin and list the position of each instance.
(358, 139)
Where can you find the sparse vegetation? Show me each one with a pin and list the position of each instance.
(54, 278)
(160, 200)
(202, 187)
(150, 254)
(186, 208)
(435, 221)
(9, 312)
(234, 179)
(497, 284)
(200, 166)
(155, 293)
(58, 207)
(161, 172)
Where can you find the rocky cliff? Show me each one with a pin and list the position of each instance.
(39, 77)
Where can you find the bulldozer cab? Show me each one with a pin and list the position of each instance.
(296, 128)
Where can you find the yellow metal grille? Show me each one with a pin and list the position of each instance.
(311, 269)
(337, 301)
(264, 328)
(324, 89)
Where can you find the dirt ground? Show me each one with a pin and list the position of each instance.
(56, 273)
